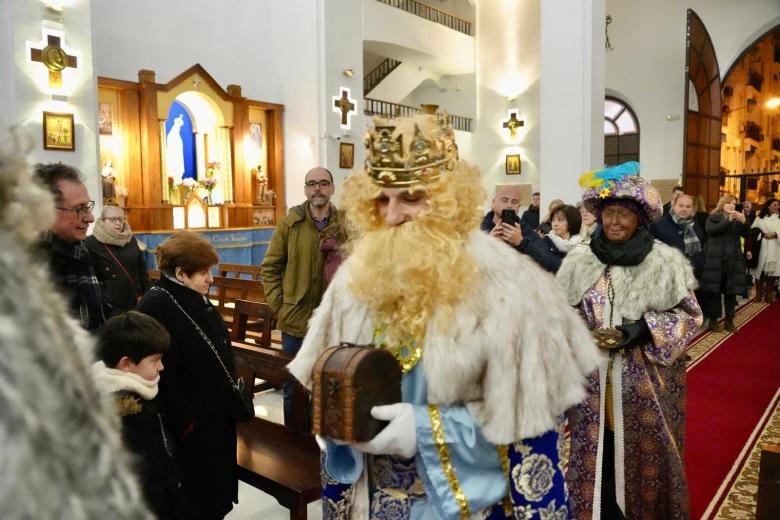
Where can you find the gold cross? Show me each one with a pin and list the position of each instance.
(513, 124)
(55, 59)
(344, 105)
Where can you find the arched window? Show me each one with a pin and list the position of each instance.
(621, 132)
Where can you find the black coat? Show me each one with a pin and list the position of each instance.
(543, 251)
(120, 293)
(145, 437)
(530, 217)
(196, 397)
(723, 255)
(671, 234)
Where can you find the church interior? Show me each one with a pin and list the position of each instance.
(207, 116)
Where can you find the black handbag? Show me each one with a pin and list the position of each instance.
(243, 407)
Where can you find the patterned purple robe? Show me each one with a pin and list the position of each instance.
(649, 418)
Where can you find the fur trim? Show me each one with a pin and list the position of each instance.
(112, 380)
(514, 353)
(106, 234)
(661, 281)
(128, 404)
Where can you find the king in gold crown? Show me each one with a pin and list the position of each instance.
(410, 150)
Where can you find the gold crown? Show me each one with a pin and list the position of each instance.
(431, 150)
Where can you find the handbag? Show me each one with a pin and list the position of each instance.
(243, 407)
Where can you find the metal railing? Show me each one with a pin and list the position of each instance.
(380, 72)
(376, 107)
(431, 13)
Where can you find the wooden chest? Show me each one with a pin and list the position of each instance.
(347, 381)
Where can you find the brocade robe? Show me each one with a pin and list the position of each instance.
(648, 388)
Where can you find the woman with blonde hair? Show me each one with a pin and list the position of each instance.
(724, 264)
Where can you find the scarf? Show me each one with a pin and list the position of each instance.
(630, 252)
(81, 280)
(106, 234)
(691, 240)
(563, 245)
(114, 380)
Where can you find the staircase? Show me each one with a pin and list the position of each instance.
(380, 72)
(432, 14)
(376, 107)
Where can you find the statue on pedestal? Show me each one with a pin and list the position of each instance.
(174, 151)
(109, 176)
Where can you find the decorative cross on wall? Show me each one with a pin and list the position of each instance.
(345, 106)
(55, 59)
(513, 124)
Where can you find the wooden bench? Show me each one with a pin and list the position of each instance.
(240, 269)
(227, 290)
(252, 324)
(283, 461)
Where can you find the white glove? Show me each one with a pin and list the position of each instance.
(397, 438)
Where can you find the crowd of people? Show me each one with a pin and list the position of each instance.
(508, 326)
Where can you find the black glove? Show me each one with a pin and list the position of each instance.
(634, 334)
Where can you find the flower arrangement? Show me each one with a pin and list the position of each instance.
(211, 169)
(173, 187)
(190, 184)
(208, 184)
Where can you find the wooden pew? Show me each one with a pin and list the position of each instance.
(240, 269)
(252, 324)
(282, 461)
(228, 290)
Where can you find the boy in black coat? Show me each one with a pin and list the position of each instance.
(130, 349)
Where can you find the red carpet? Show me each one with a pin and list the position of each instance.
(728, 392)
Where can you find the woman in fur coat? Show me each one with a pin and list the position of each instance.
(636, 295)
(195, 394)
(62, 455)
(119, 261)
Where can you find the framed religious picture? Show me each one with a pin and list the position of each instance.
(58, 132)
(513, 164)
(256, 135)
(346, 155)
(104, 119)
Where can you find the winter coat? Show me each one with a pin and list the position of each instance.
(293, 268)
(145, 436)
(671, 234)
(543, 251)
(196, 397)
(530, 217)
(120, 294)
(723, 255)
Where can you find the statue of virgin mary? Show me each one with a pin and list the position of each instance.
(174, 151)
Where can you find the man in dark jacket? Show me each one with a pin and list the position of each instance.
(677, 228)
(676, 191)
(69, 261)
(293, 267)
(530, 218)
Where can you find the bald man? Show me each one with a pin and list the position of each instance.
(293, 267)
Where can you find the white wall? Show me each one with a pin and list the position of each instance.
(402, 81)
(25, 96)
(270, 49)
(455, 95)
(647, 66)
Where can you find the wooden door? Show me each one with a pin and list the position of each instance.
(701, 155)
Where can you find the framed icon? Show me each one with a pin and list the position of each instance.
(346, 155)
(58, 132)
(513, 164)
(105, 119)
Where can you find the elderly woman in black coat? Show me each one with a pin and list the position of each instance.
(724, 264)
(119, 261)
(195, 394)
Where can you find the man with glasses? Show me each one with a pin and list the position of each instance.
(293, 268)
(67, 256)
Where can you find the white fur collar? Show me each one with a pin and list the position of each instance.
(113, 380)
(661, 281)
(515, 353)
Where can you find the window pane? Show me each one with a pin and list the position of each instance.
(609, 128)
(611, 108)
(626, 123)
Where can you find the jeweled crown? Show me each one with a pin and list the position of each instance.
(406, 151)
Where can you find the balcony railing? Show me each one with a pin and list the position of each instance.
(376, 107)
(380, 72)
(431, 13)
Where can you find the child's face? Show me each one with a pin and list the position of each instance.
(148, 368)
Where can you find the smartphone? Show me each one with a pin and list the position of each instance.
(508, 216)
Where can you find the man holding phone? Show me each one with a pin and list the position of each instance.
(502, 221)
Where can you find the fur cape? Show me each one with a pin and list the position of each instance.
(62, 455)
(658, 283)
(514, 353)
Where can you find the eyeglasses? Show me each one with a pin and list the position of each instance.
(321, 184)
(80, 211)
(115, 220)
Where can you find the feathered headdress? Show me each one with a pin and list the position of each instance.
(621, 182)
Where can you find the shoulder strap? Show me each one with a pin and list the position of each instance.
(122, 267)
(200, 331)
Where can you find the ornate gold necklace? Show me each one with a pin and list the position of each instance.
(407, 351)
